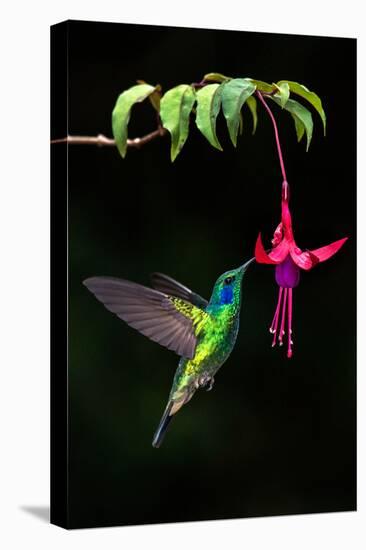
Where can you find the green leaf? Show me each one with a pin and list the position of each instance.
(299, 127)
(234, 95)
(216, 77)
(155, 96)
(208, 107)
(301, 115)
(175, 109)
(314, 99)
(252, 104)
(283, 92)
(122, 110)
(263, 86)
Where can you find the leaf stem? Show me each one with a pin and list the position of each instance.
(280, 156)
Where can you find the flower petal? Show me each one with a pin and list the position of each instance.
(305, 260)
(277, 235)
(326, 252)
(260, 254)
(287, 273)
(280, 252)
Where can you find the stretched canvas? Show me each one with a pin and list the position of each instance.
(203, 274)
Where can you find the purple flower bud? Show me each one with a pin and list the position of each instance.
(287, 273)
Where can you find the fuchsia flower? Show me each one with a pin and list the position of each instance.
(287, 256)
(289, 259)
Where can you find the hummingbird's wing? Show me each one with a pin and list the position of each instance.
(166, 284)
(167, 320)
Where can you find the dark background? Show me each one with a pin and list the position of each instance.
(275, 436)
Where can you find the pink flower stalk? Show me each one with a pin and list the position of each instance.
(288, 258)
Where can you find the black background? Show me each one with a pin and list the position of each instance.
(274, 436)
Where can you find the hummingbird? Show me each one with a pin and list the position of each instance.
(203, 333)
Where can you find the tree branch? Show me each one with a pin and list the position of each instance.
(103, 141)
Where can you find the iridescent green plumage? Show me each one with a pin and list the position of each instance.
(202, 333)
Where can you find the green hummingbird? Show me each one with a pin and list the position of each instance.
(202, 333)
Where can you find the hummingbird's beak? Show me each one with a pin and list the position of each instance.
(245, 266)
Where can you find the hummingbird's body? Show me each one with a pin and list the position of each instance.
(203, 333)
(215, 343)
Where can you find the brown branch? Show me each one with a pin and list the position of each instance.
(102, 141)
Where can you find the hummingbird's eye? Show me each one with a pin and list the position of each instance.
(229, 280)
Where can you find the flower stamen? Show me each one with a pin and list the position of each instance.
(289, 320)
(282, 329)
(273, 328)
(276, 318)
(283, 309)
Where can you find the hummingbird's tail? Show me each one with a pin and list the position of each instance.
(163, 426)
(178, 399)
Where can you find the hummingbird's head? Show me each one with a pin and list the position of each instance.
(227, 289)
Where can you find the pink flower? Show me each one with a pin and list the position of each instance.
(289, 259)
